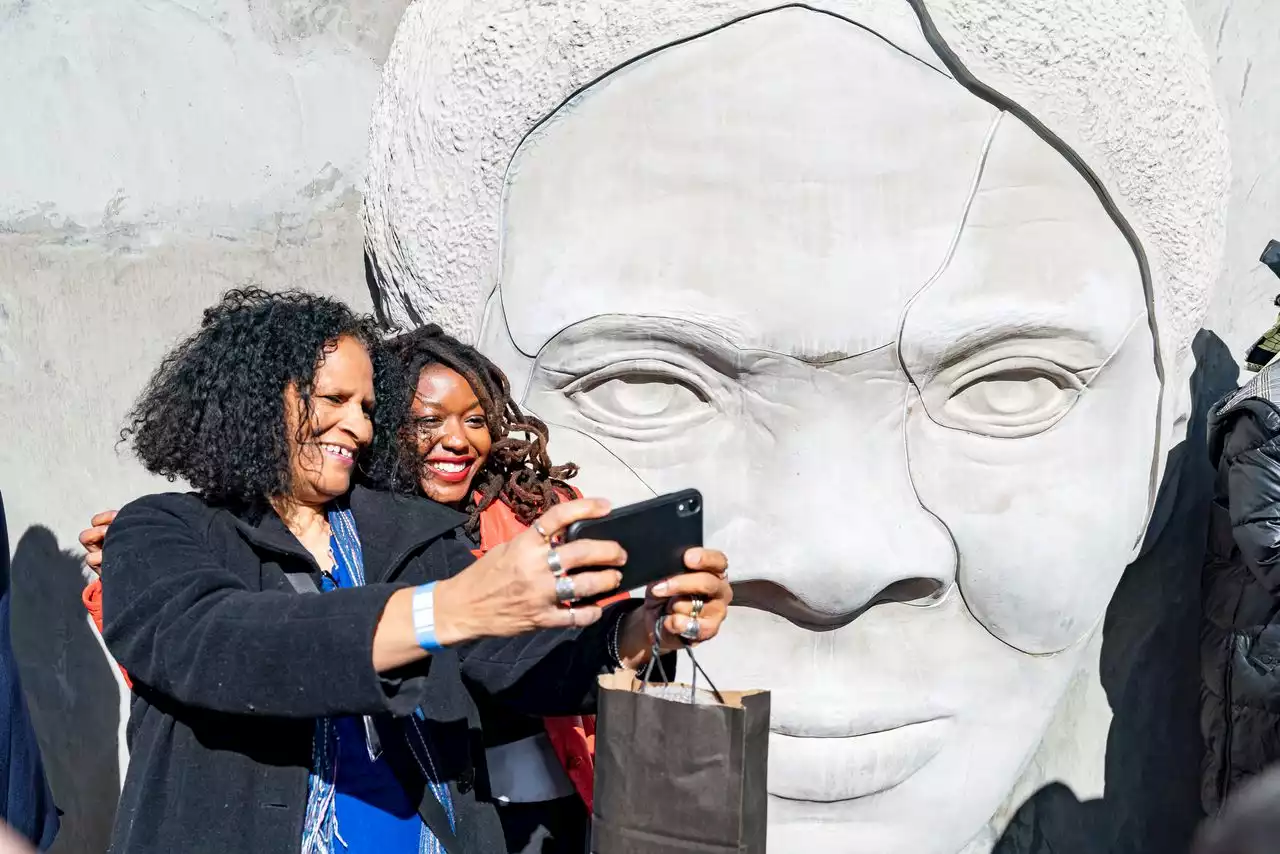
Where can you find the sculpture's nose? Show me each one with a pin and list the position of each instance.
(846, 530)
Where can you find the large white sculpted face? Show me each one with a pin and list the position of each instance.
(903, 350)
(892, 334)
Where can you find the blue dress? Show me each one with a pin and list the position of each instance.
(374, 814)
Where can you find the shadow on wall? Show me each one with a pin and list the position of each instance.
(72, 695)
(1150, 671)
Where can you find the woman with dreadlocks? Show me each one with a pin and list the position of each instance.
(478, 452)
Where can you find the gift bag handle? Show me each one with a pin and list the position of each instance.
(655, 661)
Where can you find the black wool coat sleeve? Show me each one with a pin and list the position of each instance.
(199, 630)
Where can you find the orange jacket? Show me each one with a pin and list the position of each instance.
(92, 599)
(573, 738)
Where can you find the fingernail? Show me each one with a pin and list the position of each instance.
(660, 588)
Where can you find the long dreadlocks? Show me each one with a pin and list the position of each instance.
(518, 470)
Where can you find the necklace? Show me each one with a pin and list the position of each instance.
(333, 560)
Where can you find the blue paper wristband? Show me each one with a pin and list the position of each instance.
(424, 617)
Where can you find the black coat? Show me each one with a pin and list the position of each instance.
(1240, 639)
(231, 667)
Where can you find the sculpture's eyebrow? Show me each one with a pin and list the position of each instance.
(713, 338)
(960, 332)
(571, 346)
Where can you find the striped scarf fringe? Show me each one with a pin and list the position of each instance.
(320, 827)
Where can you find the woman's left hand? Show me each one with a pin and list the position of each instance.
(692, 606)
(94, 537)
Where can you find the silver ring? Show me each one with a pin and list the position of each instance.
(553, 562)
(573, 618)
(697, 606)
(691, 630)
(542, 532)
(564, 589)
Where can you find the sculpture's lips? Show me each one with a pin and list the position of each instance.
(828, 768)
(823, 712)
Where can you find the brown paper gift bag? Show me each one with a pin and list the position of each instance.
(679, 770)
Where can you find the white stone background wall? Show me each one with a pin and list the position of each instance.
(1240, 37)
(155, 152)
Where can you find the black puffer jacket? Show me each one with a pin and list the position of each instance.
(1240, 641)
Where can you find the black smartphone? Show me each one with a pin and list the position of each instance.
(655, 534)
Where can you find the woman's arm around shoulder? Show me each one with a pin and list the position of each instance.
(185, 623)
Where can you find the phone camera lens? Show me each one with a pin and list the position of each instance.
(688, 507)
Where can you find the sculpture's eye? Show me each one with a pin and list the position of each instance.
(643, 395)
(1011, 397)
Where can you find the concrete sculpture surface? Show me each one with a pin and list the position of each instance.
(906, 288)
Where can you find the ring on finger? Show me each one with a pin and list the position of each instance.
(696, 605)
(542, 532)
(553, 562)
(691, 629)
(573, 618)
(564, 589)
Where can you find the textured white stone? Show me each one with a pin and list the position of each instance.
(130, 120)
(1241, 36)
(449, 118)
(1127, 85)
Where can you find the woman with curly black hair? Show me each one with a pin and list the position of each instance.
(265, 719)
(474, 449)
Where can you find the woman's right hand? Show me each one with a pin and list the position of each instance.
(93, 537)
(512, 589)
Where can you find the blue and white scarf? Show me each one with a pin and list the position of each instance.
(320, 827)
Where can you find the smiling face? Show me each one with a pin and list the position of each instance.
(902, 349)
(452, 434)
(326, 441)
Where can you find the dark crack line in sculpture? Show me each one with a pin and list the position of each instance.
(965, 78)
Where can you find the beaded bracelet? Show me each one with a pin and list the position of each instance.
(615, 652)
